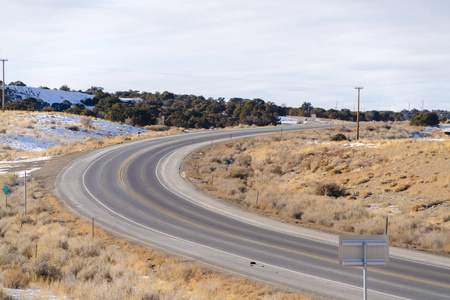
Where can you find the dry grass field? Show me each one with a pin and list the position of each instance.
(340, 187)
(50, 249)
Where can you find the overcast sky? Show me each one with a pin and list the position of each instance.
(286, 52)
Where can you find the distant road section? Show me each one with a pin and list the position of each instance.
(135, 189)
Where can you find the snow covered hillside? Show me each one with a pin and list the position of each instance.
(32, 131)
(40, 131)
(49, 96)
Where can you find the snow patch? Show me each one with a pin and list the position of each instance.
(25, 160)
(297, 120)
(49, 96)
(50, 130)
(21, 174)
(31, 293)
(47, 130)
(364, 145)
(290, 120)
(423, 132)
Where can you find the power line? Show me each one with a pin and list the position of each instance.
(182, 75)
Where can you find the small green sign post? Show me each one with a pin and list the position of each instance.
(6, 194)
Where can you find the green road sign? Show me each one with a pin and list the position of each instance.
(6, 190)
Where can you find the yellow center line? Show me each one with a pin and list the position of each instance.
(122, 181)
(410, 278)
(203, 226)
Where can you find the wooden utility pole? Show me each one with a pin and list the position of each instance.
(3, 89)
(357, 114)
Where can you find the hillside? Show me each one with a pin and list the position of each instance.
(33, 131)
(340, 187)
(47, 95)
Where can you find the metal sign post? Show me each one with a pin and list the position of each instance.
(365, 270)
(364, 250)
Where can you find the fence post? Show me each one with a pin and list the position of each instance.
(25, 192)
(387, 225)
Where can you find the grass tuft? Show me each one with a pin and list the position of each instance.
(331, 189)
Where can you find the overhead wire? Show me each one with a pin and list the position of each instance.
(182, 75)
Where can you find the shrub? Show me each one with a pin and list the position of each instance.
(15, 279)
(417, 207)
(183, 272)
(157, 127)
(86, 122)
(297, 215)
(44, 270)
(331, 190)
(338, 137)
(424, 119)
(244, 160)
(401, 188)
(343, 129)
(85, 247)
(73, 128)
(276, 169)
(240, 172)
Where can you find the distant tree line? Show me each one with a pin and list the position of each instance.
(187, 111)
(191, 111)
(384, 116)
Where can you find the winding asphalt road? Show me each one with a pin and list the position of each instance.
(135, 189)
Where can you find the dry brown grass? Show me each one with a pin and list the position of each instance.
(52, 249)
(292, 176)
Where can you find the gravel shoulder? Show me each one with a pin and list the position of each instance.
(49, 170)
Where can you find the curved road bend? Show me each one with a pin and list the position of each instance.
(120, 187)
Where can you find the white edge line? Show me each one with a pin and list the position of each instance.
(211, 248)
(168, 187)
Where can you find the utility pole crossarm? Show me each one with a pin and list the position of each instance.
(3, 85)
